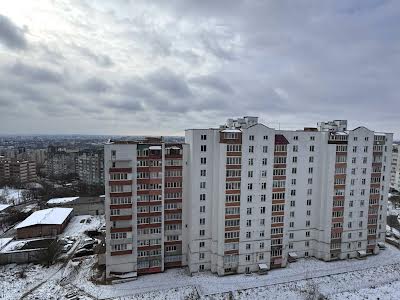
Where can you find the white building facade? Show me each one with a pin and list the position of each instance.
(256, 197)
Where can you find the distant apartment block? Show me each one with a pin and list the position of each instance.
(19, 171)
(243, 196)
(91, 166)
(395, 171)
(61, 162)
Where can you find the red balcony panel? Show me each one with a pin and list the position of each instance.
(121, 194)
(276, 236)
(120, 218)
(236, 240)
(170, 243)
(279, 166)
(230, 192)
(277, 190)
(149, 270)
(279, 177)
(122, 229)
(228, 153)
(120, 170)
(278, 201)
(173, 264)
(149, 180)
(337, 220)
(173, 200)
(173, 190)
(278, 213)
(231, 252)
(149, 214)
(236, 228)
(229, 204)
(227, 217)
(146, 203)
(116, 253)
(120, 182)
(173, 167)
(277, 224)
(233, 167)
(338, 197)
(173, 221)
(120, 206)
(233, 179)
(172, 211)
(338, 208)
(173, 179)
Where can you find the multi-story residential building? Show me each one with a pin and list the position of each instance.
(395, 172)
(91, 166)
(144, 185)
(61, 161)
(17, 171)
(255, 196)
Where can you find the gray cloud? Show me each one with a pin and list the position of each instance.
(34, 73)
(188, 63)
(170, 82)
(11, 35)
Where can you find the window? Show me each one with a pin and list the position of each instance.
(248, 257)
(291, 235)
(311, 159)
(203, 148)
(264, 161)
(248, 211)
(312, 148)
(293, 181)
(251, 161)
(294, 159)
(265, 149)
(261, 245)
(202, 172)
(293, 192)
(309, 202)
(308, 223)
(248, 223)
(251, 137)
(250, 174)
(263, 198)
(201, 256)
(294, 170)
(249, 198)
(248, 246)
(312, 138)
(262, 210)
(292, 203)
(295, 148)
(249, 186)
(203, 137)
(201, 245)
(202, 197)
(265, 137)
(202, 232)
(307, 234)
(263, 185)
(203, 209)
(251, 149)
(203, 185)
(310, 170)
(203, 160)
(248, 234)
(291, 224)
(296, 138)
(202, 221)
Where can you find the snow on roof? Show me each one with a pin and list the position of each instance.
(293, 254)
(4, 242)
(155, 147)
(231, 130)
(61, 200)
(3, 207)
(263, 266)
(55, 215)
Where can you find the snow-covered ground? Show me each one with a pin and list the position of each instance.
(12, 196)
(377, 276)
(79, 224)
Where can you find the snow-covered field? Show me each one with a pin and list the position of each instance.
(12, 196)
(377, 276)
(79, 224)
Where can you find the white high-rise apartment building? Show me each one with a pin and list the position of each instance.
(255, 197)
(395, 172)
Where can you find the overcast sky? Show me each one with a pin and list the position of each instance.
(158, 67)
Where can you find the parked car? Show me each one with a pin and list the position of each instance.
(66, 248)
(83, 252)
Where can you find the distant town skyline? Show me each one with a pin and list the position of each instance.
(160, 67)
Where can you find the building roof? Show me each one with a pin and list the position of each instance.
(3, 207)
(50, 216)
(61, 200)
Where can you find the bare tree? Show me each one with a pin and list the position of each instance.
(51, 253)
